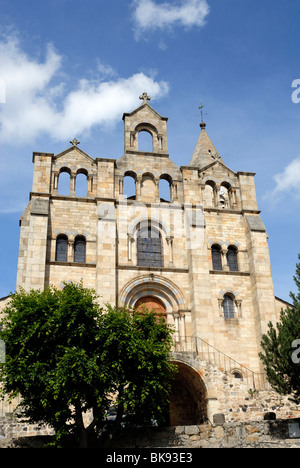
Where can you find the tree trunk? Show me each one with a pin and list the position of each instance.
(80, 429)
(120, 409)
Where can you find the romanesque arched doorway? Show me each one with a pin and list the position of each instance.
(151, 303)
(188, 397)
(160, 294)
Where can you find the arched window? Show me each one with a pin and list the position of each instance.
(232, 260)
(237, 374)
(80, 249)
(145, 141)
(209, 196)
(129, 189)
(164, 190)
(228, 307)
(61, 251)
(149, 248)
(64, 182)
(81, 184)
(216, 257)
(224, 197)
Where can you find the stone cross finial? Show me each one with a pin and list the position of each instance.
(75, 142)
(201, 110)
(145, 98)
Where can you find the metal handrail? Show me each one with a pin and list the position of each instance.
(209, 353)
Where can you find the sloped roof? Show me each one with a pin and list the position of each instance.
(140, 108)
(205, 151)
(72, 148)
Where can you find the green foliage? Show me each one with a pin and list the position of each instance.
(52, 355)
(283, 370)
(65, 355)
(137, 346)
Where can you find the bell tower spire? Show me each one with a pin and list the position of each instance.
(205, 151)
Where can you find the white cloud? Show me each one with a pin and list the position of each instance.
(105, 70)
(287, 182)
(149, 15)
(103, 103)
(26, 84)
(38, 102)
(289, 179)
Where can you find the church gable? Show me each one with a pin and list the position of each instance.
(220, 186)
(73, 156)
(150, 170)
(145, 119)
(218, 172)
(145, 110)
(74, 163)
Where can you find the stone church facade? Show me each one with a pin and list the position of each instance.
(197, 253)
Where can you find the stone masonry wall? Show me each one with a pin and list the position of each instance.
(251, 434)
(254, 434)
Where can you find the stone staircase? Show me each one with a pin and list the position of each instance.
(199, 348)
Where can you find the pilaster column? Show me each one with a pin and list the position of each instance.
(216, 201)
(238, 304)
(174, 191)
(55, 182)
(70, 250)
(72, 185)
(130, 240)
(233, 198)
(121, 186)
(182, 333)
(138, 187)
(170, 245)
(89, 185)
(202, 188)
(224, 258)
(176, 320)
(156, 190)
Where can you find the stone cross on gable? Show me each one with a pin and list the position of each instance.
(75, 142)
(216, 156)
(145, 98)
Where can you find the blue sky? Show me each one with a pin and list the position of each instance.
(71, 68)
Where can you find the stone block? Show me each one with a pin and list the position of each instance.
(191, 430)
(39, 206)
(219, 432)
(255, 223)
(218, 419)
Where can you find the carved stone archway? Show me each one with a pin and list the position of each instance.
(162, 290)
(188, 397)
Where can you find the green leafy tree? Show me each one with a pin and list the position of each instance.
(136, 350)
(51, 358)
(65, 355)
(281, 349)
